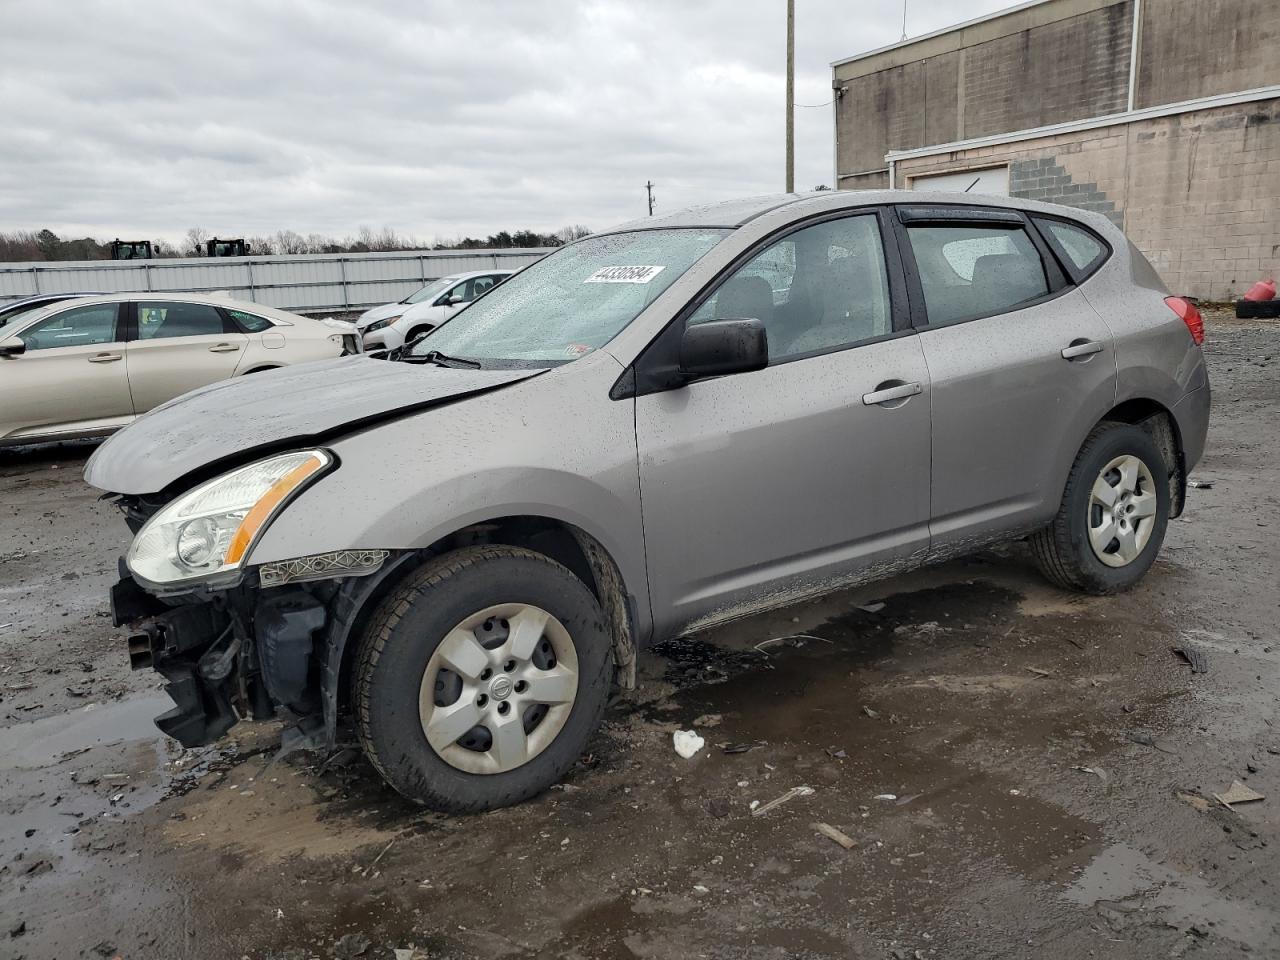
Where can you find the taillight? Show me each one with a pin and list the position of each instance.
(1190, 315)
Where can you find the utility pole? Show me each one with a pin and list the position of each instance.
(649, 188)
(791, 96)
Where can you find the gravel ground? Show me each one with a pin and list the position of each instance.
(1023, 772)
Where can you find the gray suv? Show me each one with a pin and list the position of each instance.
(666, 426)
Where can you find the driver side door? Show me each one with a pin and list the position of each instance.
(763, 487)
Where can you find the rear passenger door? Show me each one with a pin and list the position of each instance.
(175, 347)
(1021, 368)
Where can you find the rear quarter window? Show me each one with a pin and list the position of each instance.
(250, 322)
(1082, 249)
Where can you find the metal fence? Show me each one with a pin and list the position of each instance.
(309, 284)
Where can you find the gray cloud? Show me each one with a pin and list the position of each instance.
(438, 119)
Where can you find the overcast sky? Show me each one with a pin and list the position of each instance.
(434, 117)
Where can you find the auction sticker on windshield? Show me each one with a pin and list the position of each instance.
(624, 275)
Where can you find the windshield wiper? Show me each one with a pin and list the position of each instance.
(442, 360)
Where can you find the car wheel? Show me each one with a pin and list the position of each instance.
(417, 332)
(480, 680)
(1113, 516)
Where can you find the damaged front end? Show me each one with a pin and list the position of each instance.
(271, 645)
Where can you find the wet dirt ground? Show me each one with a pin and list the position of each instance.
(1023, 772)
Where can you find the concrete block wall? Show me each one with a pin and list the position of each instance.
(1198, 193)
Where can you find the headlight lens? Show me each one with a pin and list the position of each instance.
(380, 324)
(210, 529)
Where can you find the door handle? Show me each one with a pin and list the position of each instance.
(891, 390)
(1081, 348)
(224, 348)
(106, 357)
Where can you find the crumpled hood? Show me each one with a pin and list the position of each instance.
(374, 314)
(276, 408)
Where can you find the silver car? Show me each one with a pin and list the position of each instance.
(662, 427)
(86, 366)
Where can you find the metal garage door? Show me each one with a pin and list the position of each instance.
(993, 181)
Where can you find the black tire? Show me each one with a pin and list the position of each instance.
(417, 332)
(1063, 551)
(402, 636)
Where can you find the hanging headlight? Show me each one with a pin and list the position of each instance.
(209, 530)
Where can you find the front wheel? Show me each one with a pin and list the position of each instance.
(1113, 516)
(479, 682)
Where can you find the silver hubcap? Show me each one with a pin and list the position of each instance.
(1122, 511)
(499, 688)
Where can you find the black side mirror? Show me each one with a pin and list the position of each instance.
(719, 347)
(12, 349)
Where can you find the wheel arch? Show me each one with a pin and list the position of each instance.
(1158, 421)
(566, 543)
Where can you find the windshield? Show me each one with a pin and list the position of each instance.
(572, 302)
(432, 289)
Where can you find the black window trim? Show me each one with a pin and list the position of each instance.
(1059, 282)
(656, 367)
(1078, 275)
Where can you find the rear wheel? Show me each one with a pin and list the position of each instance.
(1113, 516)
(479, 682)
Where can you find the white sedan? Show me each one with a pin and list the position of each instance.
(394, 324)
(86, 367)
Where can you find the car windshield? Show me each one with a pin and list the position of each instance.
(572, 302)
(434, 288)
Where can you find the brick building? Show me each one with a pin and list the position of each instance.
(1162, 114)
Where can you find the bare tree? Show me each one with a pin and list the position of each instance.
(196, 236)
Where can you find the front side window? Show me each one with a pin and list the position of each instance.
(157, 321)
(573, 301)
(819, 289)
(77, 327)
(970, 270)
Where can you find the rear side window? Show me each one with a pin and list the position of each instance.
(250, 323)
(975, 270)
(1082, 248)
(158, 321)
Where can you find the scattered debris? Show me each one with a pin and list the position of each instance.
(1040, 673)
(873, 714)
(1097, 772)
(708, 720)
(743, 747)
(1201, 484)
(717, 807)
(369, 869)
(701, 889)
(793, 639)
(18, 929)
(761, 809)
(835, 754)
(1194, 656)
(1196, 801)
(687, 742)
(1237, 793)
(1146, 740)
(871, 607)
(351, 946)
(831, 833)
(885, 796)
(903, 801)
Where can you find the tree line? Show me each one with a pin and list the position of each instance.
(44, 245)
